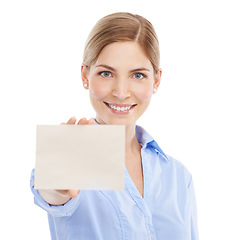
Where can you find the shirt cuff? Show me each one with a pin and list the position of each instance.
(66, 209)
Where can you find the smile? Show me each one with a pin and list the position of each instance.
(121, 108)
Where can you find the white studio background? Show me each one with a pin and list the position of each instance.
(194, 116)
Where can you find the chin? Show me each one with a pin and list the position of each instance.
(116, 121)
(125, 122)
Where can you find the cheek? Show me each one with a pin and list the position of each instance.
(98, 90)
(144, 94)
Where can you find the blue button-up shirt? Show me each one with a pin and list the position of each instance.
(166, 212)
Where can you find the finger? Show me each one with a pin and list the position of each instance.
(91, 121)
(73, 193)
(63, 123)
(82, 121)
(86, 121)
(72, 120)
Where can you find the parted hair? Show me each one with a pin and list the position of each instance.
(122, 26)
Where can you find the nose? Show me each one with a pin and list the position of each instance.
(121, 89)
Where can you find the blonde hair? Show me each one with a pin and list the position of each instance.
(118, 27)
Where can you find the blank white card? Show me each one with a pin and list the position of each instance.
(80, 157)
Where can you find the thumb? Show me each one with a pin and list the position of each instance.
(73, 193)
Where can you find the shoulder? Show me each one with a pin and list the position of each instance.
(171, 167)
(178, 169)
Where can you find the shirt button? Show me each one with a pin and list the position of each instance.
(152, 236)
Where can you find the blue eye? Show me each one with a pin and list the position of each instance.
(105, 74)
(139, 75)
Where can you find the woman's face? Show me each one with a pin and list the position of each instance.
(121, 83)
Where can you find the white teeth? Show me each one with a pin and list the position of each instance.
(119, 108)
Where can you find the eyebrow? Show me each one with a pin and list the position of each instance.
(114, 70)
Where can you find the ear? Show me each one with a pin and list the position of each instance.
(84, 75)
(157, 79)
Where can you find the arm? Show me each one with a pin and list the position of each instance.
(58, 202)
(50, 202)
(193, 211)
(59, 197)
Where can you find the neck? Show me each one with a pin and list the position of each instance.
(132, 144)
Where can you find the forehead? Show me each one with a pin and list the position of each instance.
(123, 55)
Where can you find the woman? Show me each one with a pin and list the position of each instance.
(121, 71)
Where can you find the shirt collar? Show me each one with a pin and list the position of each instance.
(146, 140)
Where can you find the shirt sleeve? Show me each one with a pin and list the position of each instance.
(193, 212)
(66, 209)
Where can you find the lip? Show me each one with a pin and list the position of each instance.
(119, 106)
